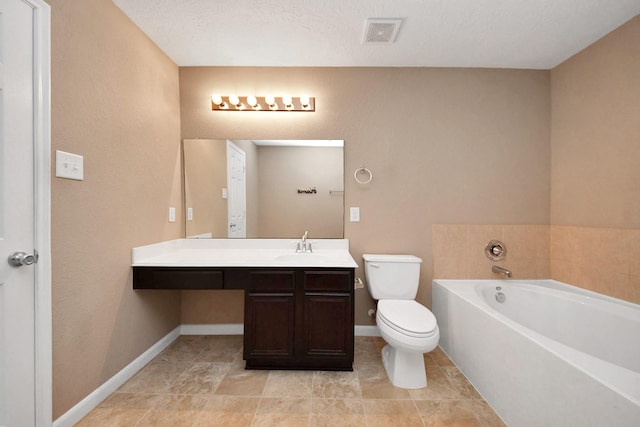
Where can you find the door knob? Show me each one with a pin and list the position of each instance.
(18, 259)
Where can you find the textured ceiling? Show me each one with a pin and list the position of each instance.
(535, 34)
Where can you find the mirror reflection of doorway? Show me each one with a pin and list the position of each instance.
(236, 192)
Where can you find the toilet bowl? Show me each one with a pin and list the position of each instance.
(409, 328)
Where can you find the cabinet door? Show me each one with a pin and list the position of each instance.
(328, 325)
(269, 325)
(270, 315)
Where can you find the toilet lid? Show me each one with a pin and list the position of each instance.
(407, 317)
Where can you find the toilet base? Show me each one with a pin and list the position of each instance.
(405, 369)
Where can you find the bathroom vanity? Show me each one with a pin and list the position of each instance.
(299, 307)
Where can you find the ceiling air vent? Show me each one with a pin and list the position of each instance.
(381, 30)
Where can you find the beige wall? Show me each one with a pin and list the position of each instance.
(285, 213)
(115, 101)
(595, 173)
(595, 133)
(205, 175)
(466, 146)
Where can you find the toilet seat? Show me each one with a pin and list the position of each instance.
(407, 317)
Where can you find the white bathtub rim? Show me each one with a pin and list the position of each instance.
(622, 380)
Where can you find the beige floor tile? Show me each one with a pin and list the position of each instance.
(243, 382)
(184, 349)
(375, 384)
(486, 415)
(201, 378)
(367, 351)
(438, 387)
(221, 349)
(112, 417)
(131, 400)
(173, 391)
(461, 383)
(337, 412)
(168, 418)
(283, 412)
(289, 384)
(341, 385)
(441, 413)
(225, 411)
(440, 357)
(174, 410)
(389, 413)
(156, 377)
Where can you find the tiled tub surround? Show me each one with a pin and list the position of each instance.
(458, 251)
(604, 260)
(200, 381)
(552, 354)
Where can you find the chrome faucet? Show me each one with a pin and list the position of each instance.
(500, 270)
(303, 245)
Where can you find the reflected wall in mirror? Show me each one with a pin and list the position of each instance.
(283, 189)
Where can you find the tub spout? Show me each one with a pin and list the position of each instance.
(500, 270)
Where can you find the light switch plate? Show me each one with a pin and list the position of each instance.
(190, 214)
(70, 166)
(354, 214)
(172, 214)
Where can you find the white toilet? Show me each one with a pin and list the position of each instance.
(409, 328)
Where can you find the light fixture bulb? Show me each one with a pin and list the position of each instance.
(217, 100)
(234, 100)
(304, 101)
(271, 101)
(287, 101)
(253, 102)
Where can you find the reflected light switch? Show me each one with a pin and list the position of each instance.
(354, 214)
(190, 214)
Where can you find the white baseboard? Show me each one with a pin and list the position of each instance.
(238, 329)
(86, 405)
(366, 331)
(213, 329)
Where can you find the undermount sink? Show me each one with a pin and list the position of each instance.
(300, 257)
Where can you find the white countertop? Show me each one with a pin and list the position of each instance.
(327, 253)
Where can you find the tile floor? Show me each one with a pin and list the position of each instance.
(201, 381)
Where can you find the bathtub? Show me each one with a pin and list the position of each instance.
(549, 354)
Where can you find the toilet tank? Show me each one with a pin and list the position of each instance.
(392, 276)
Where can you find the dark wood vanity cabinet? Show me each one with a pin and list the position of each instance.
(299, 319)
(294, 318)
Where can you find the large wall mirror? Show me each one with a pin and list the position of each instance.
(263, 188)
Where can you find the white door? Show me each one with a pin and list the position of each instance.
(236, 192)
(21, 129)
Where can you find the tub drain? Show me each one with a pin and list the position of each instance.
(500, 297)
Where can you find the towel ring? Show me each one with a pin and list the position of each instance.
(362, 170)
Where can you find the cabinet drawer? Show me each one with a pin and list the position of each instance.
(328, 281)
(177, 278)
(271, 281)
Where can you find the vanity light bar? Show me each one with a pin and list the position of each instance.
(262, 103)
